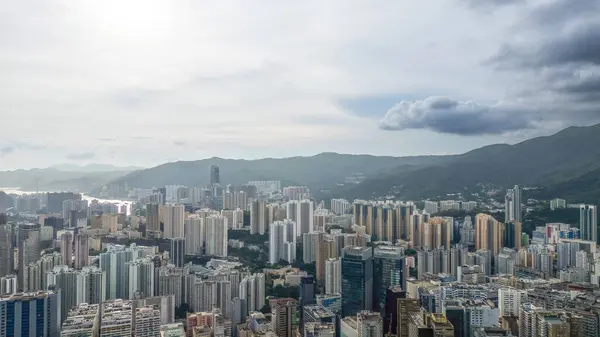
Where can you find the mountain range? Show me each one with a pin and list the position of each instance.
(63, 177)
(566, 164)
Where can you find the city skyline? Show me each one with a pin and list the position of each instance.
(321, 80)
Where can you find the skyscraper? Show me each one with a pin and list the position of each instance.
(390, 319)
(307, 297)
(326, 249)
(512, 235)
(258, 217)
(216, 235)
(173, 219)
(6, 249)
(152, 220)
(305, 217)
(31, 314)
(357, 280)
(388, 263)
(214, 175)
(278, 241)
(512, 205)
(488, 233)
(333, 276)
(29, 247)
(177, 252)
(66, 248)
(82, 250)
(588, 222)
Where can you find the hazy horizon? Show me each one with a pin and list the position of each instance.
(148, 82)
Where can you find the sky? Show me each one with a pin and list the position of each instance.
(143, 82)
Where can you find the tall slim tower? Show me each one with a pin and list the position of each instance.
(588, 222)
(82, 250)
(29, 247)
(214, 175)
(6, 249)
(66, 248)
(512, 205)
(152, 220)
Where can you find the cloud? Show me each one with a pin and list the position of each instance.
(492, 3)
(81, 156)
(579, 45)
(446, 115)
(179, 143)
(6, 150)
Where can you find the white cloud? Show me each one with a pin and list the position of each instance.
(231, 78)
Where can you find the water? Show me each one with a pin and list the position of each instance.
(17, 191)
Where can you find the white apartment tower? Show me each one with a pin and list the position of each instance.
(280, 248)
(333, 276)
(512, 205)
(216, 235)
(173, 217)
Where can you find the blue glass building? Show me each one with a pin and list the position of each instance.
(357, 280)
(30, 314)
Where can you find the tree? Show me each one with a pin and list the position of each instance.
(182, 311)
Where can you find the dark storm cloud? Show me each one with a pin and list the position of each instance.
(451, 116)
(561, 57)
(81, 156)
(579, 46)
(557, 13)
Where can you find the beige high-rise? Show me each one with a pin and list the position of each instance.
(488, 233)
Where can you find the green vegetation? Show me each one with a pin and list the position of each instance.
(246, 237)
(182, 311)
(542, 216)
(284, 291)
(540, 161)
(318, 172)
(255, 260)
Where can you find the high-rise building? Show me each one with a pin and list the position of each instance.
(307, 296)
(305, 217)
(82, 250)
(588, 222)
(6, 249)
(333, 276)
(326, 249)
(194, 235)
(252, 289)
(357, 280)
(488, 233)
(114, 263)
(29, 246)
(55, 200)
(141, 278)
(283, 312)
(279, 235)
(214, 175)
(152, 220)
(512, 205)
(85, 286)
(31, 314)
(390, 318)
(177, 251)
(9, 285)
(512, 235)
(340, 206)
(385, 221)
(173, 217)
(258, 217)
(66, 248)
(216, 235)
(310, 242)
(34, 275)
(388, 265)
